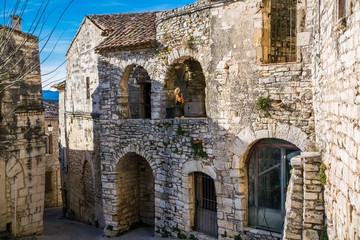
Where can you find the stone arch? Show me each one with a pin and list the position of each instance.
(243, 144)
(186, 73)
(135, 92)
(248, 137)
(135, 192)
(15, 179)
(133, 149)
(196, 166)
(188, 189)
(110, 190)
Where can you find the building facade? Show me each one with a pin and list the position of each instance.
(250, 78)
(52, 169)
(22, 135)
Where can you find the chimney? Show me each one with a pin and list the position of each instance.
(16, 22)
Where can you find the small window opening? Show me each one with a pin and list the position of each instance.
(8, 228)
(87, 87)
(147, 99)
(48, 144)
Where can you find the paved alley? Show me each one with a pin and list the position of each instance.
(58, 228)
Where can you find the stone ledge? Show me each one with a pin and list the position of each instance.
(262, 232)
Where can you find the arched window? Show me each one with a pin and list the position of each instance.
(185, 75)
(268, 177)
(135, 96)
(135, 192)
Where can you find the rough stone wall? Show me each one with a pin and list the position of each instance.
(336, 103)
(52, 166)
(305, 199)
(226, 47)
(80, 113)
(22, 167)
(225, 39)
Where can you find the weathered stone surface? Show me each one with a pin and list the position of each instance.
(22, 148)
(219, 48)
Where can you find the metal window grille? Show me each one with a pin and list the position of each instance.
(205, 213)
(283, 31)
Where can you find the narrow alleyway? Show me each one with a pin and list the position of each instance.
(58, 228)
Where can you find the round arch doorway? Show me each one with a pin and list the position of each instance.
(135, 192)
(269, 174)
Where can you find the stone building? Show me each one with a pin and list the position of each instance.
(257, 90)
(21, 135)
(52, 164)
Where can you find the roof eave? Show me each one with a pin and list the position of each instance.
(149, 44)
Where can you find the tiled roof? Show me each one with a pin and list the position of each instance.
(126, 30)
(51, 108)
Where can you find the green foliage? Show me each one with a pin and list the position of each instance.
(180, 131)
(238, 237)
(164, 233)
(197, 146)
(324, 235)
(176, 150)
(323, 174)
(263, 104)
(169, 124)
(192, 237)
(180, 235)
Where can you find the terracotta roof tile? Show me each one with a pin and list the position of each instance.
(51, 108)
(126, 30)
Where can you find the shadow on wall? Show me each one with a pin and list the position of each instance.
(81, 186)
(130, 148)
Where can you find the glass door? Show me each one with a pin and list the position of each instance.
(268, 169)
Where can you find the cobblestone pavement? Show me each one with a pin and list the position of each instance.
(58, 228)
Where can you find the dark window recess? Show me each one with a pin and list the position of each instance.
(87, 87)
(49, 144)
(147, 99)
(8, 227)
(48, 181)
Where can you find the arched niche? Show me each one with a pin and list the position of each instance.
(186, 74)
(135, 93)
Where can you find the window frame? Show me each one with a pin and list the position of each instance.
(264, 58)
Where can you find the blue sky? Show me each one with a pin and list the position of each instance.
(55, 47)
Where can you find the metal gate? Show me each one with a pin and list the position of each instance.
(205, 205)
